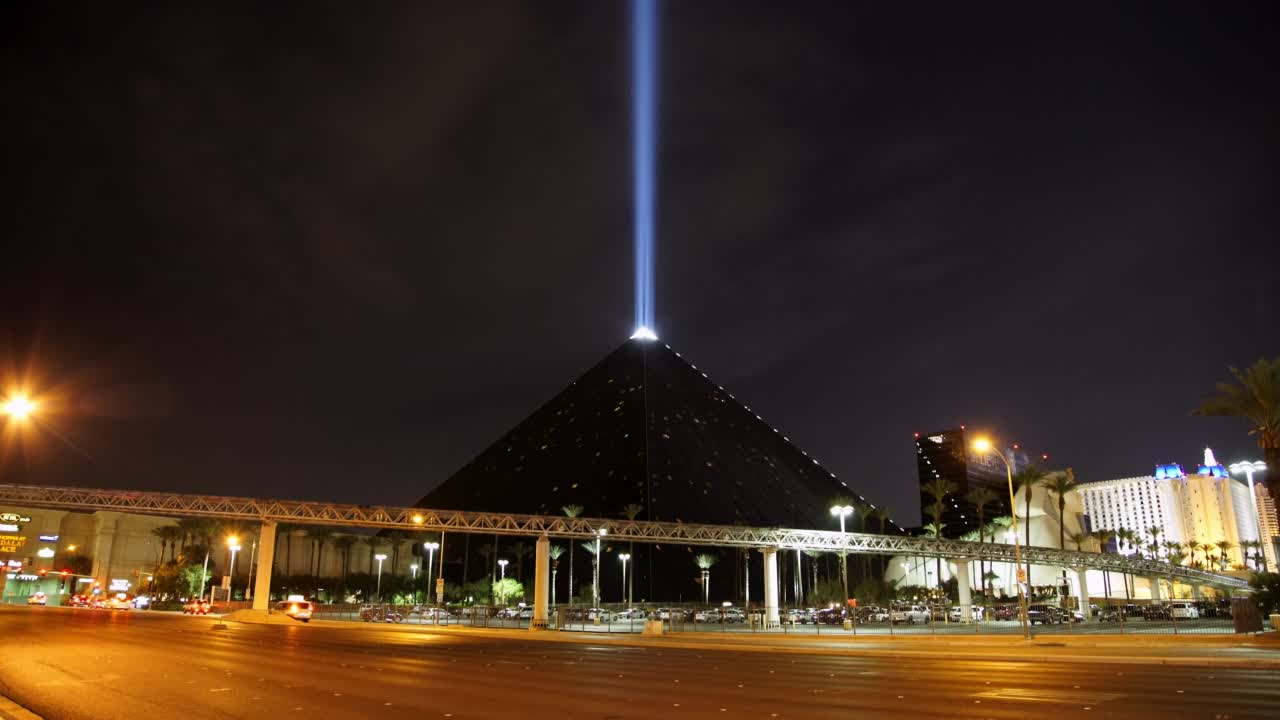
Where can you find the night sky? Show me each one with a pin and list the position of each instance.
(332, 254)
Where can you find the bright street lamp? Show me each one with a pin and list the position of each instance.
(983, 446)
(502, 566)
(380, 557)
(233, 542)
(1249, 468)
(19, 407)
(624, 557)
(413, 569)
(431, 553)
(842, 512)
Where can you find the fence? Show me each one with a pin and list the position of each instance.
(1114, 618)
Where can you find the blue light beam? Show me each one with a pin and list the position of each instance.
(644, 60)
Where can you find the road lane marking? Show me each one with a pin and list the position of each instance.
(1048, 695)
(218, 689)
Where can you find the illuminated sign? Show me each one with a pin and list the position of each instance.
(13, 518)
(49, 538)
(9, 527)
(937, 438)
(11, 543)
(119, 584)
(45, 552)
(15, 563)
(84, 580)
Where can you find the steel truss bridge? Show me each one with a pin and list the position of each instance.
(581, 528)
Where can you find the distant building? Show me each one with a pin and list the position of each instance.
(1269, 524)
(1202, 507)
(947, 454)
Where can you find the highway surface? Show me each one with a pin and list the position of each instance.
(63, 663)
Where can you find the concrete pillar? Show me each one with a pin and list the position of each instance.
(771, 587)
(1195, 592)
(266, 560)
(966, 593)
(541, 582)
(1082, 590)
(1155, 588)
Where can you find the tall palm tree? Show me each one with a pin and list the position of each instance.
(1255, 397)
(487, 551)
(704, 563)
(554, 552)
(1224, 547)
(1026, 480)
(373, 542)
(520, 550)
(1155, 531)
(593, 549)
(571, 511)
(1060, 483)
(284, 532)
(1204, 548)
(1172, 548)
(938, 489)
(320, 536)
(631, 512)
(344, 543)
(396, 539)
(169, 536)
(813, 565)
(1126, 536)
(1080, 538)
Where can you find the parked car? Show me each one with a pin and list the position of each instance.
(1184, 611)
(957, 615)
(1155, 612)
(37, 598)
(1109, 615)
(877, 615)
(197, 606)
(374, 613)
(1044, 615)
(912, 614)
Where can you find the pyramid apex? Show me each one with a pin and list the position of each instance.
(643, 333)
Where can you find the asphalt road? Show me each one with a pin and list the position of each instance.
(63, 663)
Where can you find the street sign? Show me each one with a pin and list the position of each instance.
(1022, 574)
(439, 585)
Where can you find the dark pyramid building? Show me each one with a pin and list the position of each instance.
(646, 427)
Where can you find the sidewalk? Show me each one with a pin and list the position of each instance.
(1260, 651)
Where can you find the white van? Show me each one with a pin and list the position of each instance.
(1184, 611)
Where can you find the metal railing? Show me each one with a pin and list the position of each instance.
(347, 515)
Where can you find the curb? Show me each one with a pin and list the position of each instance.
(10, 710)
(669, 641)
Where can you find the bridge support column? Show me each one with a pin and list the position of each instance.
(1082, 590)
(1195, 592)
(1154, 581)
(966, 592)
(266, 560)
(771, 617)
(541, 583)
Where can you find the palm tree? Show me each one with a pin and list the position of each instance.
(1255, 396)
(396, 538)
(554, 552)
(487, 551)
(1026, 480)
(520, 550)
(593, 548)
(938, 489)
(1172, 548)
(1061, 483)
(980, 498)
(284, 532)
(373, 542)
(1155, 531)
(1204, 549)
(704, 563)
(344, 543)
(813, 565)
(1225, 546)
(169, 536)
(571, 511)
(320, 536)
(1126, 536)
(1080, 538)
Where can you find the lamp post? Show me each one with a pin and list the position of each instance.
(595, 582)
(1249, 468)
(380, 557)
(983, 445)
(502, 566)
(842, 512)
(233, 542)
(624, 557)
(253, 553)
(431, 553)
